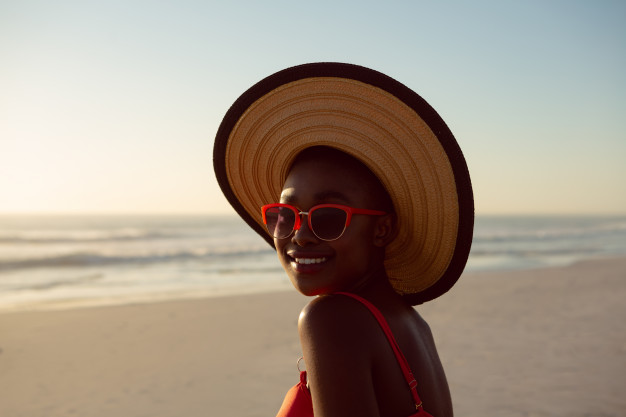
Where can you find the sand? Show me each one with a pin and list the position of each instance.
(548, 342)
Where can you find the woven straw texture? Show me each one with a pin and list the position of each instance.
(378, 129)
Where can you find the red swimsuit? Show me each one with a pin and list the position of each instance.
(298, 401)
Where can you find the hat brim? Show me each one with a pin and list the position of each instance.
(379, 121)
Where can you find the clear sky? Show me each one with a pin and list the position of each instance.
(112, 106)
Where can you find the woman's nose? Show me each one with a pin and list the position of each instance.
(304, 235)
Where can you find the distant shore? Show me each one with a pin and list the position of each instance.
(543, 342)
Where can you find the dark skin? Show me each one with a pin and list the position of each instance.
(351, 368)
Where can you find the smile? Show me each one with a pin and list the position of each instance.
(309, 261)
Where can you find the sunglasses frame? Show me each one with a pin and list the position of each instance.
(298, 216)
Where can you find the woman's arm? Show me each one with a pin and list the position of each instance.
(337, 337)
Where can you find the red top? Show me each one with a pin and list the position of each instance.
(298, 402)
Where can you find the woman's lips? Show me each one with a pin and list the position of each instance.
(309, 263)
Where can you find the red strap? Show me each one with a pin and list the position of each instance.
(404, 364)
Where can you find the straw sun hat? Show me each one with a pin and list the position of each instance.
(382, 123)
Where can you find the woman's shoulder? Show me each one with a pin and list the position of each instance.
(332, 309)
(338, 337)
(336, 318)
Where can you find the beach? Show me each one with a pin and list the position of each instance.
(532, 342)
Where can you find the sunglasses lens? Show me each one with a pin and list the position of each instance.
(328, 222)
(280, 221)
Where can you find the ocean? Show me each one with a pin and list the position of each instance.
(65, 261)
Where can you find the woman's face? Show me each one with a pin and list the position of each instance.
(318, 267)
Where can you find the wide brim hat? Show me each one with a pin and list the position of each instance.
(377, 120)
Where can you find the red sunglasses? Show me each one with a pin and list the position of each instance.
(326, 221)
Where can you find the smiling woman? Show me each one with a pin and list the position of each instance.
(389, 217)
(322, 176)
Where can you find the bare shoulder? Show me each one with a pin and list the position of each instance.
(336, 333)
(335, 318)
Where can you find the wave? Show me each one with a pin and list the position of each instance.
(87, 259)
(55, 283)
(535, 252)
(85, 236)
(547, 233)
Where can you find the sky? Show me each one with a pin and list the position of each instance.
(112, 106)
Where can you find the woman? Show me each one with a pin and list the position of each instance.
(365, 195)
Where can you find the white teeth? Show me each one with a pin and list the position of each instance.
(308, 261)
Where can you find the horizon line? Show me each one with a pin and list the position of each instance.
(234, 214)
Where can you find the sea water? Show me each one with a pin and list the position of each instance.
(63, 261)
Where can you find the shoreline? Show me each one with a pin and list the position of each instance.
(201, 294)
(518, 343)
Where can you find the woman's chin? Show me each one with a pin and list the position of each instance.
(306, 288)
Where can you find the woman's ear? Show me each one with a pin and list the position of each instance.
(385, 230)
